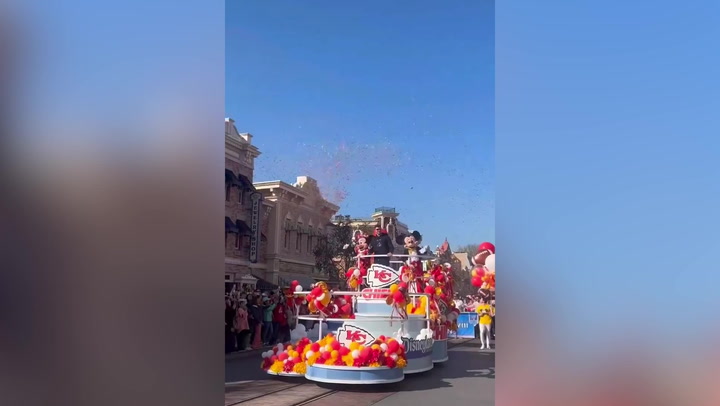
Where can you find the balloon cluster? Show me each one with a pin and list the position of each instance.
(354, 277)
(319, 298)
(384, 351)
(483, 275)
(341, 308)
(286, 359)
(398, 297)
(296, 300)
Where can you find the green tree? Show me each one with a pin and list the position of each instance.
(470, 249)
(331, 258)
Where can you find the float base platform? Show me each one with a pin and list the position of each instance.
(354, 375)
(440, 351)
(291, 375)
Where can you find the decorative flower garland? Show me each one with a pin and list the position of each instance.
(286, 359)
(384, 351)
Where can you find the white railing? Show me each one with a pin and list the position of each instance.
(321, 319)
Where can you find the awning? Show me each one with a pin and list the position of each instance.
(249, 279)
(304, 280)
(245, 182)
(235, 180)
(230, 227)
(262, 284)
(243, 228)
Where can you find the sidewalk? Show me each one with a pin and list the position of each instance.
(247, 353)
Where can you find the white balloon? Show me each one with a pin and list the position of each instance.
(356, 272)
(383, 346)
(490, 262)
(279, 348)
(309, 354)
(355, 354)
(298, 288)
(431, 282)
(394, 356)
(328, 348)
(301, 327)
(264, 354)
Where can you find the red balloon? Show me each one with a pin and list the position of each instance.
(393, 346)
(477, 281)
(283, 356)
(335, 345)
(487, 246)
(402, 285)
(273, 358)
(296, 360)
(344, 351)
(315, 347)
(429, 290)
(398, 297)
(365, 353)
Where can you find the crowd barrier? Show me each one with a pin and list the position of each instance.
(466, 324)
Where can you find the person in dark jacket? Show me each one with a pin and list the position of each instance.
(256, 316)
(381, 244)
(229, 330)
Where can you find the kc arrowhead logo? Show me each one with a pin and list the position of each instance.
(381, 276)
(348, 334)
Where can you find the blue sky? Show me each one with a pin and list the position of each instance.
(385, 103)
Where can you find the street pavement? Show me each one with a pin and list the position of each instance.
(467, 378)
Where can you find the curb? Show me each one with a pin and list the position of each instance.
(245, 354)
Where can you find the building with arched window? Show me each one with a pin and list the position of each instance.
(298, 217)
(386, 217)
(245, 234)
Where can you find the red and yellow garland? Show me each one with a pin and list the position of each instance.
(287, 359)
(384, 351)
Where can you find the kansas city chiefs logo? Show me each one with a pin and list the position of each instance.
(380, 276)
(352, 334)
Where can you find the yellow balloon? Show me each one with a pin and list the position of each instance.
(474, 273)
(393, 288)
(334, 354)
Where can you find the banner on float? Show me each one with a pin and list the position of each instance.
(466, 323)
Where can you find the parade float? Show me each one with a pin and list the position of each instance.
(391, 323)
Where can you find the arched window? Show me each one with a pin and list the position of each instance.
(298, 237)
(310, 239)
(287, 234)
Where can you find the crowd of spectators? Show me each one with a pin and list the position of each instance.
(255, 318)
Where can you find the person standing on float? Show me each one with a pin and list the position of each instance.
(381, 244)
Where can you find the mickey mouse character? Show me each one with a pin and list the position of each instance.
(411, 243)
